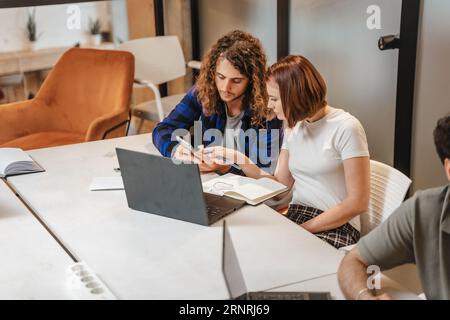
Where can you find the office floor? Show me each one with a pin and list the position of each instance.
(146, 127)
(22, 88)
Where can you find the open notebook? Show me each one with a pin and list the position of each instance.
(14, 161)
(253, 191)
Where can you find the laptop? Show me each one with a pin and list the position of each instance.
(236, 284)
(157, 185)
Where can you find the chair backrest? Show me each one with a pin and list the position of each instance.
(86, 84)
(388, 188)
(157, 59)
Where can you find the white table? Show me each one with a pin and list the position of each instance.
(26, 61)
(35, 60)
(32, 263)
(144, 256)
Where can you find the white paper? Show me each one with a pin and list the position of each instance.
(106, 183)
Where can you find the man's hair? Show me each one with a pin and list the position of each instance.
(302, 89)
(246, 54)
(442, 138)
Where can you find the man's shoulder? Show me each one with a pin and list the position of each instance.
(190, 102)
(423, 208)
(432, 194)
(191, 94)
(428, 203)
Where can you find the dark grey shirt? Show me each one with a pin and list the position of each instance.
(232, 130)
(417, 232)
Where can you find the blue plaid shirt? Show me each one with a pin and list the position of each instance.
(257, 141)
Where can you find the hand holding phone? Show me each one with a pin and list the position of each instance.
(185, 144)
(188, 146)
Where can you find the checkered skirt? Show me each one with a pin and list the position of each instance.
(340, 237)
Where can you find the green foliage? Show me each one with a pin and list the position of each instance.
(31, 26)
(94, 26)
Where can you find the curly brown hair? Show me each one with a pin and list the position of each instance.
(246, 54)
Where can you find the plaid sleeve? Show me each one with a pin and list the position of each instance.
(182, 117)
(270, 141)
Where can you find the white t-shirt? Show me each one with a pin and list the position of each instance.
(316, 154)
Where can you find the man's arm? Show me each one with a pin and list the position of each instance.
(390, 244)
(182, 117)
(352, 277)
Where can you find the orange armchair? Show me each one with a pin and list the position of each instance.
(85, 98)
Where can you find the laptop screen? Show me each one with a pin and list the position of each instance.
(159, 186)
(230, 266)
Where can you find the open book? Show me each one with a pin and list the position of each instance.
(14, 161)
(253, 191)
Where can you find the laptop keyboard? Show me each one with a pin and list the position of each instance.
(218, 207)
(215, 213)
(289, 296)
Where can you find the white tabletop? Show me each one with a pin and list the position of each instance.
(145, 256)
(32, 264)
(35, 60)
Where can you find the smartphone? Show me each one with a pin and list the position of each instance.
(185, 144)
(188, 146)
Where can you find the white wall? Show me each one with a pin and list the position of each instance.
(432, 100)
(119, 16)
(361, 79)
(333, 34)
(257, 17)
(51, 24)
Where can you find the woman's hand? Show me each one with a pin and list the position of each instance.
(205, 168)
(208, 165)
(184, 155)
(223, 156)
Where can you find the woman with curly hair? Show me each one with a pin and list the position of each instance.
(229, 101)
(324, 156)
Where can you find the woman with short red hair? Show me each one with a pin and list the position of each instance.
(324, 156)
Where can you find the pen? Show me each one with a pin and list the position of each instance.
(229, 162)
(187, 145)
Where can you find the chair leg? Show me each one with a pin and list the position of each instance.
(128, 127)
(141, 122)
